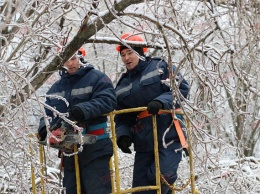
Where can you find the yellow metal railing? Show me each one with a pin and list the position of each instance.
(32, 169)
(114, 168)
(31, 136)
(157, 166)
(42, 168)
(76, 160)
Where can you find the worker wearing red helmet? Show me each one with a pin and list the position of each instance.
(90, 95)
(141, 86)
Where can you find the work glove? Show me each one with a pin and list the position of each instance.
(124, 142)
(153, 107)
(42, 134)
(76, 114)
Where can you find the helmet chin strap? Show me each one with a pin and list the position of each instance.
(64, 67)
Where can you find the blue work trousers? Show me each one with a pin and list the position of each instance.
(94, 178)
(144, 167)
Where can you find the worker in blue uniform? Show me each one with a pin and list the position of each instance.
(141, 86)
(90, 95)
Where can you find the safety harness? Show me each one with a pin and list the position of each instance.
(176, 123)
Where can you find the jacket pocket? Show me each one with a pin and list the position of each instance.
(122, 94)
(151, 88)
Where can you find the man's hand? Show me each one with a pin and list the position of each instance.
(42, 134)
(124, 142)
(76, 114)
(153, 107)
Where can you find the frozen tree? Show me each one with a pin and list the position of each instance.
(213, 43)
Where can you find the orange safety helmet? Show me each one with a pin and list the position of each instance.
(129, 36)
(82, 52)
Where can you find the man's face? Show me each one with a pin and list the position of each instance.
(72, 64)
(129, 58)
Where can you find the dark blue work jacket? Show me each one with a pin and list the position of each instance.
(91, 90)
(138, 87)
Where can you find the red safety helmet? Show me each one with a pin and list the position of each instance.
(129, 36)
(81, 52)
